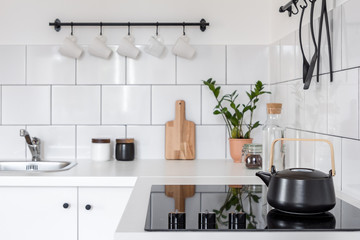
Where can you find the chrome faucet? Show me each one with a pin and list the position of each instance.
(33, 144)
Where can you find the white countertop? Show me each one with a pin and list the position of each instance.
(141, 174)
(124, 173)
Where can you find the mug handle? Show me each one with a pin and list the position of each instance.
(304, 140)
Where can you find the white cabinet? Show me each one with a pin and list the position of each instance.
(38, 213)
(58, 213)
(100, 210)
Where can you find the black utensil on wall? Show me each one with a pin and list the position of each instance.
(306, 64)
(322, 15)
(314, 58)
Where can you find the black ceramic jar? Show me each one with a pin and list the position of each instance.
(125, 149)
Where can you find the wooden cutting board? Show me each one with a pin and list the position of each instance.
(179, 193)
(180, 135)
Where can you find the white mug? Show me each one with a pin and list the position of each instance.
(69, 48)
(183, 49)
(155, 46)
(127, 48)
(99, 48)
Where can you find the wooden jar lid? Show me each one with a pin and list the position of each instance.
(100, 140)
(274, 108)
(125, 140)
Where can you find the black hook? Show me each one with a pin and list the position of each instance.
(101, 24)
(297, 9)
(288, 7)
(128, 28)
(72, 25)
(306, 5)
(184, 28)
(157, 28)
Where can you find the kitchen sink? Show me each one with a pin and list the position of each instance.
(38, 166)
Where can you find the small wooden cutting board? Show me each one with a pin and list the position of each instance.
(180, 135)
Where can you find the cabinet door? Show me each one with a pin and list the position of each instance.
(38, 213)
(100, 210)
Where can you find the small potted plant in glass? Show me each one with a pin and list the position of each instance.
(234, 115)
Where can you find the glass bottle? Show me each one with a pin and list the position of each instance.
(272, 130)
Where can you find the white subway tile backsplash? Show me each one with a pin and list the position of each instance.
(147, 69)
(164, 98)
(287, 57)
(95, 70)
(126, 104)
(210, 142)
(45, 65)
(149, 141)
(12, 62)
(343, 104)
(350, 34)
(12, 145)
(316, 98)
(247, 64)
(209, 102)
(86, 133)
(323, 157)
(57, 142)
(337, 38)
(209, 62)
(25, 105)
(295, 101)
(76, 105)
(274, 62)
(350, 166)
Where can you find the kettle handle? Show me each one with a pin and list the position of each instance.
(304, 140)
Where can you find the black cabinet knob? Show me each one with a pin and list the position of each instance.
(66, 205)
(88, 207)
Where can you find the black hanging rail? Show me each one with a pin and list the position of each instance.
(58, 24)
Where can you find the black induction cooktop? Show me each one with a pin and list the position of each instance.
(236, 208)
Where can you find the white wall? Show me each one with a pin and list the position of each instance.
(232, 21)
(328, 110)
(282, 24)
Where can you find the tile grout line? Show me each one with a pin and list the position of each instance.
(101, 108)
(341, 163)
(76, 67)
(78, 213)
(51, 108)
(151, 110)
(26, 63)
(126, 71)
(341, 34)
(176, 70)
(201, 108)
(76, 137)
(226, 64)
(1, 103)
(320, 133)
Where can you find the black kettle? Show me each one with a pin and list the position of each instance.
(300, 190)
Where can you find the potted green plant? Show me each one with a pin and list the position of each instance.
(234, 114)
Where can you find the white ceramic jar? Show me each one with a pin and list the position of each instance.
(100, 149)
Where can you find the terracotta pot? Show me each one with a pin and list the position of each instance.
(236, 146)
